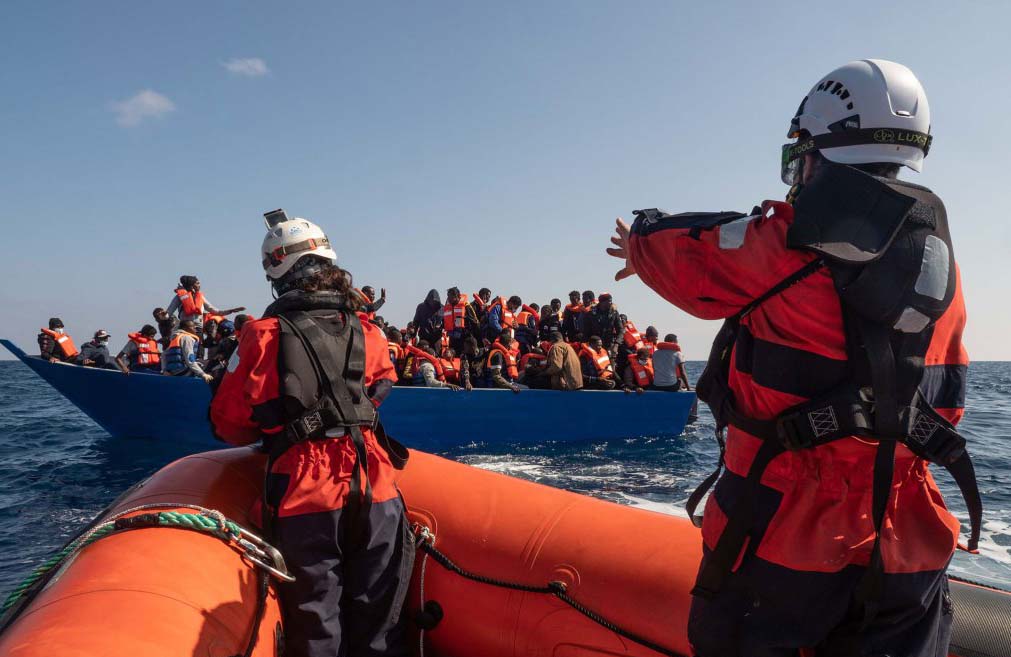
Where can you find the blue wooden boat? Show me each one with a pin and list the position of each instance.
(174, 409)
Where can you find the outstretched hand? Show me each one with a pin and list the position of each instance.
(620, 249)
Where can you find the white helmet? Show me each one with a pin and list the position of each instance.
(290, 240)
(867, 111)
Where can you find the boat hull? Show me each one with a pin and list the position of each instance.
(165, 592)
(174, 409)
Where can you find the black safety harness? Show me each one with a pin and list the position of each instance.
(322, 375)
(869, 233)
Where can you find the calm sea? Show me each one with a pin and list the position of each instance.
(59, 469)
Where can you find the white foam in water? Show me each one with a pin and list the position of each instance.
(988, 547)
(666, 508)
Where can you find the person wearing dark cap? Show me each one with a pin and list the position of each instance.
(55, 345)
(604, 321)
(140, 353)
(95, 353)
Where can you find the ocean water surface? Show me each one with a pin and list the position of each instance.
(59, 469)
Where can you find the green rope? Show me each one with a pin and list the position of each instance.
(193, 521)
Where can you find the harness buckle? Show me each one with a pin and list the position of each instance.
(790, 433)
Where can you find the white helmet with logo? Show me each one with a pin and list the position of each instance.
(868, 111)
(290, 240)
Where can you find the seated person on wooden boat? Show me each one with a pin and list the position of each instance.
(331, 501)
(501, 369)
(650, 338)
(190, 303)
(211, 336)
(477, 313)
(454, 318)
(533, 365)
(598, 374)
(428, 368)
(395, 346)
(372, 305)
(526, 326)
(551, 320)
(180, 359)
(472, 364)
(55, 345)
(225, 344)
(563, 369)
(428, 318)
(450, 366)
(502, 317)
(141, 353)
(572, 316)
(240, 321)
(639, 373)
(669, 366)
(167, 325)
(95, 352)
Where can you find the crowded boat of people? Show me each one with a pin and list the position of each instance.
(484, 341)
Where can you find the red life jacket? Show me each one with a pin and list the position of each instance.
(601, 361)
(480, 302)
(451, 368)
(192, 302)
(209, 317)
(419, 355)
(523, 317)
(526, 358)
(546, 345)
(396, 354)
(63, 342)
(632, 337)
(643, 374)
(147, 350)
(453, 316)
(508, 359)
(507, 319)
(668, 346)
(443, 343)
(575, 308)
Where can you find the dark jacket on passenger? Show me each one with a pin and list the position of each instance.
(99, 353)
(428, 318)
(605, 324)
(472, 369)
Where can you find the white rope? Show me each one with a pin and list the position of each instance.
(421, 634)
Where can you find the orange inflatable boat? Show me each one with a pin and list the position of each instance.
(164, 572)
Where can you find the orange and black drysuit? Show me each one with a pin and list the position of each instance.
(307, 381)
(838, 375)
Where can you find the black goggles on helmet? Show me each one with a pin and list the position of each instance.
(792, 156)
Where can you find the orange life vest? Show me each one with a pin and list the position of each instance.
(649, 345)
(523, 317)
(419, 355)
(575, 308)
(643, 374)
(443, 343)
(507, 319)
(209, 317)
(508, 359)
(192, 302)
(601, 361)
(480, 302)
(632, 337)
(451, 368)
(525, 360)
(147, 350)
(668, 346)
(453, 316)
(63, 342)
(396, 354)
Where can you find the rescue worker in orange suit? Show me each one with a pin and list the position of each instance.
(331, 504)
(55, 345)
(454, 318)
(598, 373)
(839, 375)
(572, 316)
(141, 353)
(477, 313)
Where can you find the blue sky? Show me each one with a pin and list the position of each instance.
(439, 144)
